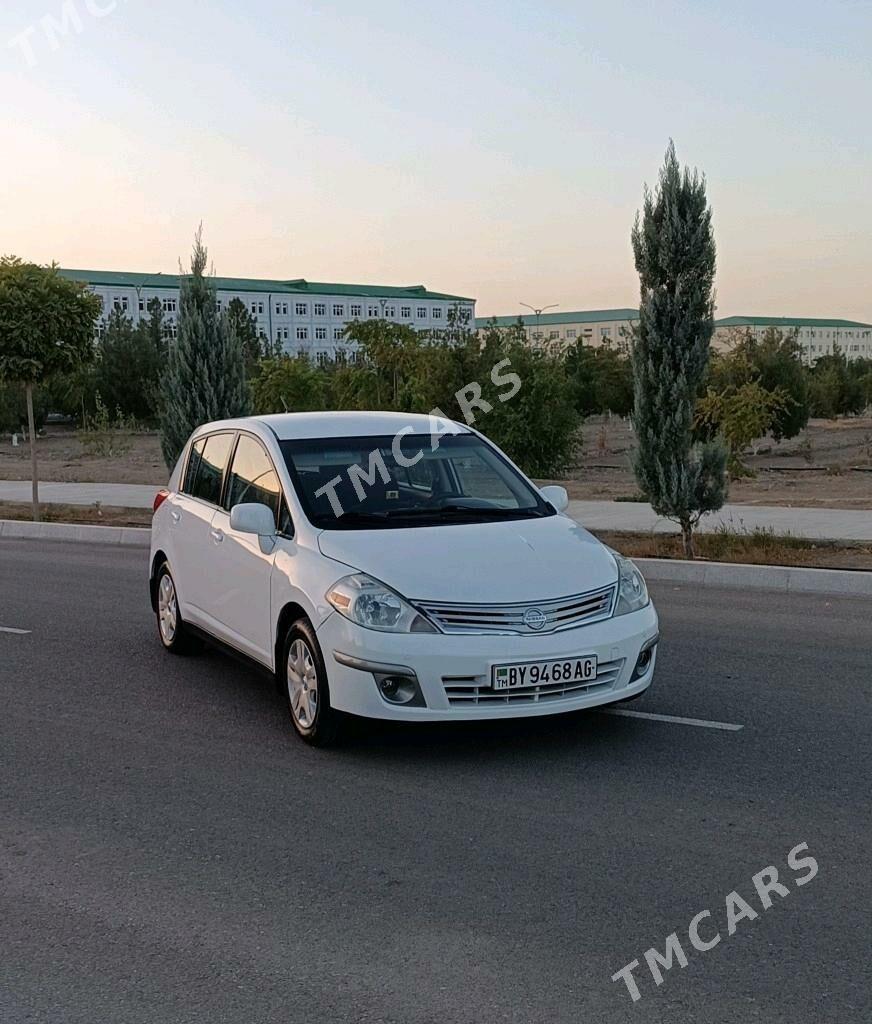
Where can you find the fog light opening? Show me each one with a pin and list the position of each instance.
(400, 689)
(643, 662)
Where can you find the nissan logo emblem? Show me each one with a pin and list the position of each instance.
(534, 618)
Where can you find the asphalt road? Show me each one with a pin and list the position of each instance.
(170, 851)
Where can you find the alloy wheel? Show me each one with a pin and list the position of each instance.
(167, 609)
(302, 684)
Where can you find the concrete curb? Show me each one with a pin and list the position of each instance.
(786, 579)
(783, 578)
(119, 536)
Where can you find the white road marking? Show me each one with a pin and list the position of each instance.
(9, 629)
(701, 722)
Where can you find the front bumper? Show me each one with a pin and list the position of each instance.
(453, 670)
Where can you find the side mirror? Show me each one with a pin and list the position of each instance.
(253, 517)
(557, 496)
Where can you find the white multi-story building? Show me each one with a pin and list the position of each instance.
(300, 316)
(593, 327)
(608, 326)
(816, 337)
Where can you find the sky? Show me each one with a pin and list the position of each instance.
(496, 150)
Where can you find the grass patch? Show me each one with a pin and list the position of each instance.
(89, 515)
(759, 546)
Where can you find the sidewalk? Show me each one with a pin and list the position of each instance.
(812, 523)
(122, 495)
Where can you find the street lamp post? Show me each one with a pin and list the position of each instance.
(539, 313)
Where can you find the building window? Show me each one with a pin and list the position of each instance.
(605, 332)
(372, 311)
(320, 334)
(322, 358)
(338, 333)
(282, 308)
(553, 335)
(353, 356)
(170, 331)
(338, 309)
(437, 312)
(356, 309)
(302, 309)
(120, 303)
(390, 311)
(406, 312)
(320, 309)
(422, 313)
(302, 334)
(142, 305)
(168, 305)
(571, 333)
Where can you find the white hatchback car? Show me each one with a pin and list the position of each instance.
(393, 566)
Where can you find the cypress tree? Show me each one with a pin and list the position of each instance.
(204, 376)
(674, 249)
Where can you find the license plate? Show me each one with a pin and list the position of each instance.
(534, 673)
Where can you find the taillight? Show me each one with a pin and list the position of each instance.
(160, 498)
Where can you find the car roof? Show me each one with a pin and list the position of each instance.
(302, 425)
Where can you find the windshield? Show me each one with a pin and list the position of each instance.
(363, 483)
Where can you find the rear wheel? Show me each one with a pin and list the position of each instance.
(306, 687)
(173, 632)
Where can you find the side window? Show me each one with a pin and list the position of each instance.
(194, 460)
(252, 477)
(210, 469)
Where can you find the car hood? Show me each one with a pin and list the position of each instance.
(516, 560)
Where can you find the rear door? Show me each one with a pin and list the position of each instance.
(239, 571)
(191, 513)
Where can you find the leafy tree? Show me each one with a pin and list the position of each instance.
(836, 386)
(204, 371)
(244, 324)
(602, 379)
(46, 328)
(739, 414)
(128, 366)
(390, 353)
(288, 384)
(538, 427)
(775, 362)
(674, 250)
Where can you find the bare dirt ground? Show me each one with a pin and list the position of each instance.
(828, 466)
(64, 458)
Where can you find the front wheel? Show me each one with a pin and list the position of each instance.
(306, 687)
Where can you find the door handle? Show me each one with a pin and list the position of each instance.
(217, 535)
(175, 516)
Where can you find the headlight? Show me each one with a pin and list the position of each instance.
(632, 592)
(375, 606)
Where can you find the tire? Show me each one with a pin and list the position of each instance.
(304, 684)
(174, 634)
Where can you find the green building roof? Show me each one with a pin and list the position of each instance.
(590, 316)
(297, 286)
(784, 321)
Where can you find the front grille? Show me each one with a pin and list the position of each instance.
(467, 691)
(558, 614)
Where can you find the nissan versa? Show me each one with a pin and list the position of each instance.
(382, 567)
